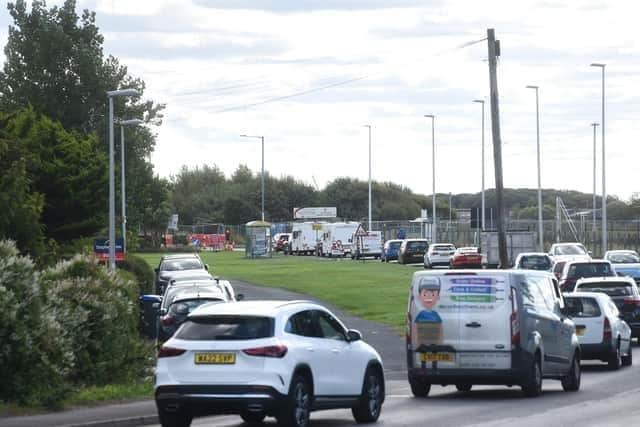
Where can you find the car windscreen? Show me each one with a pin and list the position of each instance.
(187, 306)
(570, 250)
(181, 264)
(582, 307)
(535, 262)
(226, 328)
(613, 289)
(417, 246)
(623, 258)
(592, 269)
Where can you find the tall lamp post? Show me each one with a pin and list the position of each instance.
(481, 101)
(434, 227)
(262, 142)
(112, 199)
(604, 183)
(540, 227)
(595, 125)
(123, 123)
(369, 126)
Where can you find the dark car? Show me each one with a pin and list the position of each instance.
(574, 270)
(171, 265)
(412, 251)
(390, 250)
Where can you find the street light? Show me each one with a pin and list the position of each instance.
(434, 227)
(481, 101)
(369, 126)
(540, 227)
(261, 139)
(112, 200)
(123, 123)
(604, 186)
(593, 227)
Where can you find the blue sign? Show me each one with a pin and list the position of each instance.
(402, 234)
(101, 246)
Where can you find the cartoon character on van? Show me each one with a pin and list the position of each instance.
(428, 321)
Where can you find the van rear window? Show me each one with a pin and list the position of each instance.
(613, 289)
(582, 307)
(226, 328)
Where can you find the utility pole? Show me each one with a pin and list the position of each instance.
(593, 228)
(494, 52)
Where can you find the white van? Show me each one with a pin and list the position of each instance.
(336, 239)
(369, 245)
(304, 238)
(489, 327)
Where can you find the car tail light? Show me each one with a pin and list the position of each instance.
(606, 331)
(278, 350)
(170, 351)
(632, 301)
(168, 321)
(514, 321)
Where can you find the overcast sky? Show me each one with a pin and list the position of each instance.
(228, 67)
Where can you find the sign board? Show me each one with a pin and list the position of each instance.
(316, 226)
(173, 222)
(311, 213)
(101, 249)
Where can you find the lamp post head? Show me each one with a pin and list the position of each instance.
(596, 64)
(479, 101)
(532, 87)
(595, 124)
(431, 116)
(132, 122)
(122, 92)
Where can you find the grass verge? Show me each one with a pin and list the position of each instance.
(373, 290)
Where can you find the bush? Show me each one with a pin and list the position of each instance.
(142, 271)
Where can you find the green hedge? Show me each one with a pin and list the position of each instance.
(69, 325)
(142, 271)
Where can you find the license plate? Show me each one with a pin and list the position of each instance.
(215, 358)
(436, 357)
(580, 331)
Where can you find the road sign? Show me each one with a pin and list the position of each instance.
(313, 213)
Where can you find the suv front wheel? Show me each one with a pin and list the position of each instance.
(297, 409)
(370, 403)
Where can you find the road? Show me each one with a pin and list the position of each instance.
(605, 399)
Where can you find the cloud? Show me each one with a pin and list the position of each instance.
(284, 6)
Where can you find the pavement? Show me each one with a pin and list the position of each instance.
(387, 341)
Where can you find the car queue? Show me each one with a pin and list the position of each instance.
(474, 326)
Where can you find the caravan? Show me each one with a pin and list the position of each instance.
(304, 238)
(337, 239)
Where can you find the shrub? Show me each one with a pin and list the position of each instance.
(142, 270)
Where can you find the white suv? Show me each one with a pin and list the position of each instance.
(439, 254)
(266, 358)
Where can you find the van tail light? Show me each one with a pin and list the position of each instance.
(514, 321)
(170, 351)
(606, 331)
(278, 351)
(632, 301)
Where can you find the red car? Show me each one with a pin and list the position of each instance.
(468, 257)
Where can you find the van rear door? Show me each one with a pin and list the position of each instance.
(484, 309)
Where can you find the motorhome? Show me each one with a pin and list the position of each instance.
(337, 239)
(368, 244)
(304, 238)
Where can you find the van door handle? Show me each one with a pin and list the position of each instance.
(473, 325)
(310, 348)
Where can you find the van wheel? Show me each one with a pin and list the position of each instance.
(463, 387)
(532, 385)
(615, 359)
(572, 381)
(420, 388)
(628, 359)
(370, 403)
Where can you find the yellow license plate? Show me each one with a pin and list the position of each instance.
(215, 358)
(580, 331)
(436, 357)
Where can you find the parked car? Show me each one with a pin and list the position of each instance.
(534, 261)
(622, 257)
(390, 250)
(412, 251)
(215, 286)
(558, 266)
(171, 264)
(602, 334)
(467, 257)
(628, 270)
(438, 254)
(624, 293)
(182, 303)
(509, 327)
(266, 358)
(574, 270)
(569, 251)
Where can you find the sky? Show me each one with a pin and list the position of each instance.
(308, 75)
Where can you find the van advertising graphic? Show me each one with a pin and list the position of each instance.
(428, 322)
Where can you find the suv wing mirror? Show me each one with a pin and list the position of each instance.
(354, 335)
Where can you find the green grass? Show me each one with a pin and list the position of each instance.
(373, 290)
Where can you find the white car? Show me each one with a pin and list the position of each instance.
(266, 358)
(601, 332)
(622, 257)
(569, 252)
(439, 254)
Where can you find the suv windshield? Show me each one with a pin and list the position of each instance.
(187, 306)
(570, 250)
(225, 328)
(535, 262)
(181, 264)
(590, 269)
